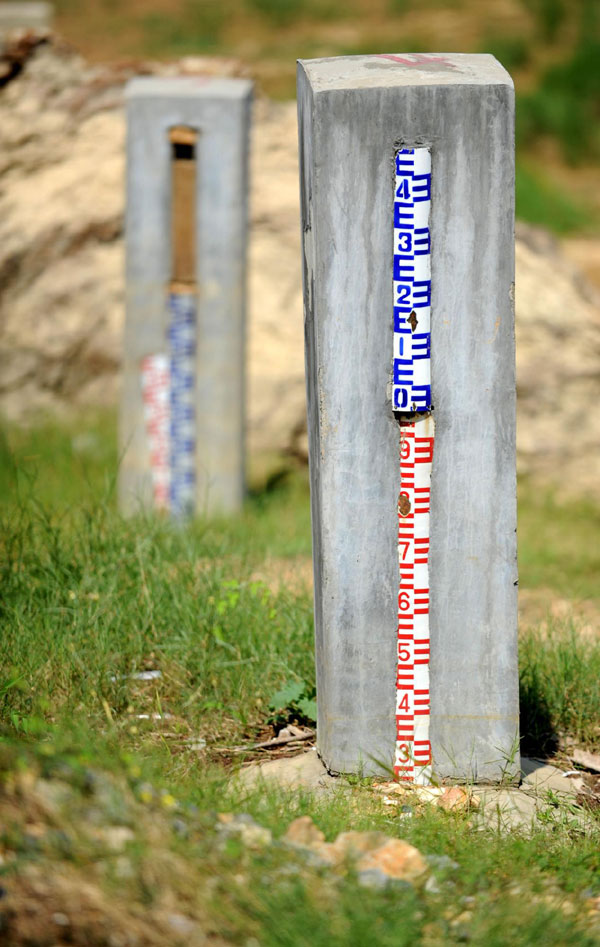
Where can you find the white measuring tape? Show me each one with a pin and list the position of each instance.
(412, 400)
(157, 415)
(182, 339)
(168, 395)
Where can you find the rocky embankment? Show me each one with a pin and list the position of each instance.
(61, 270)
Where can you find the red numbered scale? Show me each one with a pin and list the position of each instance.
(413, 750)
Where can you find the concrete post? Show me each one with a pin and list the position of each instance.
(366, 123)
(182, 409)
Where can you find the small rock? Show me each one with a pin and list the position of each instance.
(181, 923)
(373, 878)
(61, 919)
(397, 859)
(432, 886)
(442, 862)
(460, 927)
(124, 868)
(377, 879)
(116, 837)
(428, 793)
(245, 828)
(197, 746)
(457, 799)
(53, 795)
(180, 828)
(354, 844)
(303, 833)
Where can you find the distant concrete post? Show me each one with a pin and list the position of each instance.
(407, 191)
(183, 402)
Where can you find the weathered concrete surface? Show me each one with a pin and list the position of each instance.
(542, 796)
(508, 808)
(220, 110)
(25, 16)
(353, 111)
(304, 771)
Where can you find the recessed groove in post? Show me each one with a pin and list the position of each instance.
(184, 157)
(411, 397)
(183, 323)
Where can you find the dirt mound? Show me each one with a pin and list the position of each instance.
(61, 279)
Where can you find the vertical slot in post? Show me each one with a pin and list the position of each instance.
(183, 204)
(412, 405)
(182, 326)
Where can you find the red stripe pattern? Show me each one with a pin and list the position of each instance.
(412, 761)
(156, 386)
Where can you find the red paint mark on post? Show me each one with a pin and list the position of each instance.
(417, 59)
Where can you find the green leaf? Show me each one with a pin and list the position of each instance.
(308, 707)
(290, 693)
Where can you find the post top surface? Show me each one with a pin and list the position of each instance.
(187, 87)
(404, 69)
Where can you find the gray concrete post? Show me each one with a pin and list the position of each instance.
(355, 116)
(183, 400)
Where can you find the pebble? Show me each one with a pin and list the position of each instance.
(180, 827)
(432, 886)
(116, 837)
(443, 862)
(244, 827)
(303, 833)
(181, 923)
(354, 844)
(457, 799)
(397, 858)
(378, 880)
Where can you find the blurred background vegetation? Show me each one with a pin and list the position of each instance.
(551, 47)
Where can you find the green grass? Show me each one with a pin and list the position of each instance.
(59, 465)
(88, 599)
(559, 674)
(558, 546)
(544, 203)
